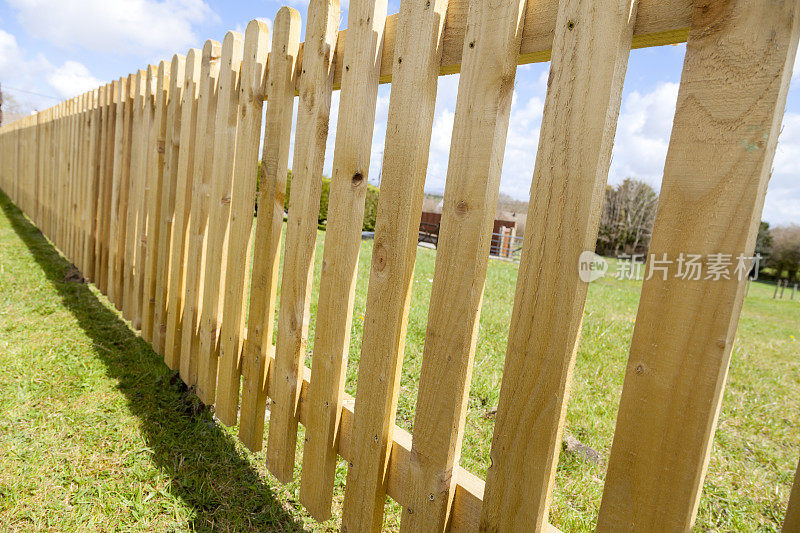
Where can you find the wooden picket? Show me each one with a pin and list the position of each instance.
(351, 156)
(578, 122)
(201, 179)
(153, 191)
(148, 185)
(680, 351)
(183, 204)
(251, 98)
(164, 221)
(226, 121)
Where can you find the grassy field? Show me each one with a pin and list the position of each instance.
(98, 435)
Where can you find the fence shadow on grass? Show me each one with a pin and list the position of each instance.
(207, 471)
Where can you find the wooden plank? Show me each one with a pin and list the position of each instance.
(590, 57)
(660, 22)
(62, 176)
(730, 105)
(252, 86)
(66, 149)
(105, 182)
(77, 180)
(154, 180)
(88, 198)
(92, 184)
(791, 523)
(313, 118)
(198, 217)
(144, 197)
(135, 192)
(227, 119)
(469, 488)
(72, 173)
(183, 203)
(407, 144)
(293, 313)
(366, 19)
(166, 217)
(56, 170)
(263, 285)
(102, 182)
(119, 193)
(473, 179)
(73, 148)
(111, 141)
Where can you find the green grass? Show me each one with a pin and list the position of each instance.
(96, 433)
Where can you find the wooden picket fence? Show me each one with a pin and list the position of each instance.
(148, 184)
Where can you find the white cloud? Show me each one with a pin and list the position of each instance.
(642, 139)
(21, 75)
(782, 205)
(643, 132)
(72, 78)
(9, 54)
(522, 144)
(131, 26)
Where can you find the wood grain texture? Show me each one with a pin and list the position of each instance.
(313, 118)
(198, 216)
(483, 107)
(78, 183)
(313, 112)
(154, 193)
(468, 487)
(590, 55)
(791, 522)
(143, 197)
(72, 176)
(293, 315)
(166, 217)
(108, 121)
(366, 19)
(227, 119)
(92, 177)
(730, 105)
(659, 22)
(277, 131)
(403, 173)
(251, 97)
(135, 192)
(119, 194)
(183, 204)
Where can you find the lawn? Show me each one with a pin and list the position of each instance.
(97, 434)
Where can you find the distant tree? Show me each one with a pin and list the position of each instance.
(764, 240)
(370, 206)
(626, 220)
(785, 257)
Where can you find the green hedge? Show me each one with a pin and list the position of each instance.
(370, 206)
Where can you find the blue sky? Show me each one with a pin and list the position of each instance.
(59, 48)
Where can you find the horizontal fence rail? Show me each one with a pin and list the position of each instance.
(147, 184)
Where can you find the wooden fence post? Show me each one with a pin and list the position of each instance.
(154, 180)
(590, 57)
(198, 218)
(166, 214)
(183, 204)
(791, 523)
(251, 97)
(227, 120)
(717, 170)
